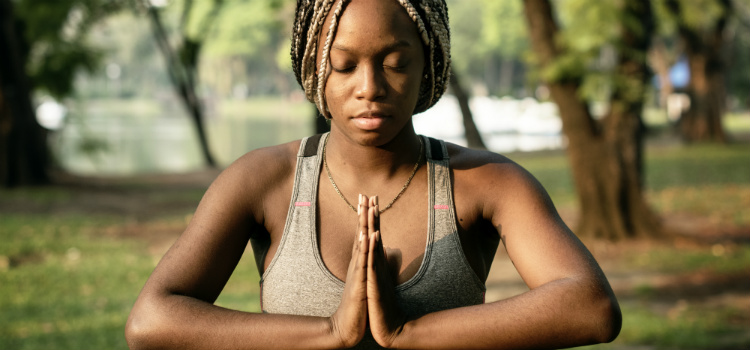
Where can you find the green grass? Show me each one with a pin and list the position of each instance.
(66, 287)
(719, 259)
(681, 326)
(67, 283)
(704, 179)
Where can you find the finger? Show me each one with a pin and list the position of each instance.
(375, 219)
(371, 214)
(378, 260)
(371, 257)
(362, 210)
(360, 250)
(374, 267)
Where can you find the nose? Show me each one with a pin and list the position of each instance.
(371, 83)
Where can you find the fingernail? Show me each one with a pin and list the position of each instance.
(360, 198)
(359, 209)
(361, 235)
(376, 200)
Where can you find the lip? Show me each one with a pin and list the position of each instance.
(370, 120)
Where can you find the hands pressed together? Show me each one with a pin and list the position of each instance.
(369, 294)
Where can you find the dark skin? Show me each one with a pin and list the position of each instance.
(375, 74)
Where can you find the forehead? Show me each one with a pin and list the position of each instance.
(365, 22)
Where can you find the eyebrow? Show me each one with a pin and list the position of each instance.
(391, 47)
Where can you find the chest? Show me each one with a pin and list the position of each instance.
(404, 228)
(332, 226)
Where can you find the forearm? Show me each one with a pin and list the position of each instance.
(180, 322)
(562, 313)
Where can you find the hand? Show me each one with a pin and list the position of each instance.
(386, 318)
(349, 321)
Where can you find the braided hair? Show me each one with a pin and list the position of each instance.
(430, 16)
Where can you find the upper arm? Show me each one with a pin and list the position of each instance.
(538, 242)
(203, 258)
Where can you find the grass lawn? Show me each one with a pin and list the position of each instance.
(73, 259)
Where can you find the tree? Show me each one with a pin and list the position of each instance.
(182, 62)
(23, 151)
(738, 82)
(489, 42)
(42, 49)
(702, 27)
(605, 154)
(473, 138)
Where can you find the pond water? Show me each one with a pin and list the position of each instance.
(114, 141)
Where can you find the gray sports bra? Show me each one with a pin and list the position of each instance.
(297, 282)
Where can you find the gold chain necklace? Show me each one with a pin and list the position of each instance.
(408, 181)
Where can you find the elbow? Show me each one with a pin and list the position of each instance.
(608, 319)
(137, 333)
(141, 330)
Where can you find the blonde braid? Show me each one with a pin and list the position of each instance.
(323, 69)
(322, 7)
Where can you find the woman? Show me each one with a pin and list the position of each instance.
(405, 265)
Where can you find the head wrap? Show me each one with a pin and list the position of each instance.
(430, 16)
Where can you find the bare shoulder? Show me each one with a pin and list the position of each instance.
(255, 178)
(494, 182)
(484, 167)
(266, 164)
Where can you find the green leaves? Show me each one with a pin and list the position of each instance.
(55, 35)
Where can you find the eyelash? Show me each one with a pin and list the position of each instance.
(397, 69)
(344, 70)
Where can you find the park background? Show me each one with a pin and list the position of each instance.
(101, 163)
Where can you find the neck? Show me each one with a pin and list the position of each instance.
(351, 157)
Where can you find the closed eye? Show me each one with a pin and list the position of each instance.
(348, 69)
(395, 68)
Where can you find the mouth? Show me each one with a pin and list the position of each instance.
(370, 120)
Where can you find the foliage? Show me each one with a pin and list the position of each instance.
(484, 34)
(504, 30)
(243, 28)
(128, 46)
(56, 37)
(591, 55)
(699, 15)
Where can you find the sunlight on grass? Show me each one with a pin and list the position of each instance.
(67, 283)
(65, 287)
(720, 258)
(242, 291)
(680, 326)
(706, 180)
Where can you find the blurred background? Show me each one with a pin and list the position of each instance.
(115, 116)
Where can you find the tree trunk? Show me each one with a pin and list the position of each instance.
(473, 139)
(24, 155)
(702, 122)
(658, 60)
(606, 158)
(182, 78)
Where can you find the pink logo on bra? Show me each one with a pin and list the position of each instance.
(439, 206)
(301, 204)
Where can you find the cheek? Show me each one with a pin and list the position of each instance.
(408, 88)
(335, 92)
